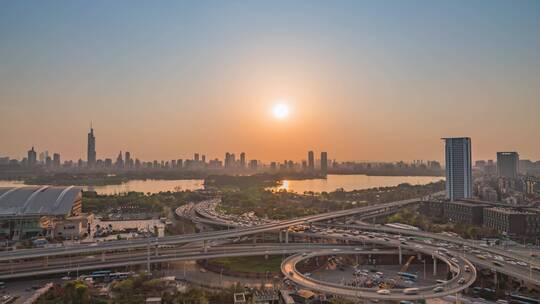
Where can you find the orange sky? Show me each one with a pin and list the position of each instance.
(364, 81)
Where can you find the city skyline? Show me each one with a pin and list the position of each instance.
(92, 156)
(367, 81)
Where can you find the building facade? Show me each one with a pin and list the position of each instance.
(27, 212)
(508, 164)
(91, 152)
(458, 168)
(324, 163)
(464, 212)
(512, 222)
(311, 161)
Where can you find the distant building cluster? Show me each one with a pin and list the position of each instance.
(508, 179)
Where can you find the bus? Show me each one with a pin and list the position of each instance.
(102, 274)
(120, 275)
(408, 276)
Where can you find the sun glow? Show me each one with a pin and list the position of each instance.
(280, 110)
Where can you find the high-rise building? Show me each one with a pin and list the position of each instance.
(196, 157)
(119, 161)
(242, 160)
(127, 160)
(311, 161)
(227, 160)
(203, 159)
(56, 160)
(252, 164)
(324, 163)
(32, 157)
(507, 164)
(91, 152)
(458, 168)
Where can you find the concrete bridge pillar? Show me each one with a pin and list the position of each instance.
(205, 246)
(280, 238)
(434, 265)
(400, 255)
(148, 257)
(287, 236)
(103, 256)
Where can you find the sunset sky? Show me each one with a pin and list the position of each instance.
(363, 80)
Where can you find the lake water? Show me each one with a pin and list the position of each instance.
(149, 185)
(331, 183)
(352, 182)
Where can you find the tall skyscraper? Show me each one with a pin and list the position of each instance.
(127, 161)
(324, 163)
(243, 160)
(91, 153)
(196, 157)
(311, 161)
(32, 157)
(458, 168)
(119, 161)
(507, 164)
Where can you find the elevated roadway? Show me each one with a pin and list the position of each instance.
(190, 238)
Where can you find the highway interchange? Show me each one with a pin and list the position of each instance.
(460, 255)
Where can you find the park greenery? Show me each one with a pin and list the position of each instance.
(74, 292)
(243, 195)
(134, 290)
(254, 264)
(138, 202)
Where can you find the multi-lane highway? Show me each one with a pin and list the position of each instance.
(469, 249)
(74, 264)
(464, 276)
(207, 245)
(190, 238)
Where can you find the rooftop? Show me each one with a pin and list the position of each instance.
(509, 210)
(38, 200)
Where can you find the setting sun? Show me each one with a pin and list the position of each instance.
(280, 111)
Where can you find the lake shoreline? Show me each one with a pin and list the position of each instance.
(330, 183)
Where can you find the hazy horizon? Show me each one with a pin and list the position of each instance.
(381, 81)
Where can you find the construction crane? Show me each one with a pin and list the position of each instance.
(398, 279)
(407, 264)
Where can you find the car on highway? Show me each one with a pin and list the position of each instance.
(497, 264)
(438, 289)
(410, 291)
(467, 268)
(383, 292)
(461, 281)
